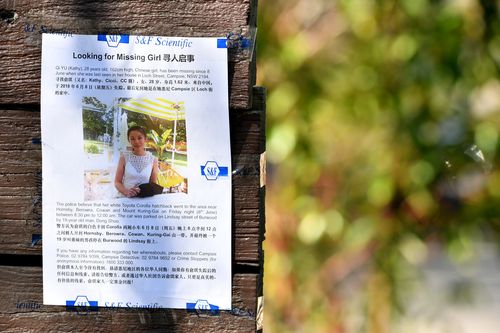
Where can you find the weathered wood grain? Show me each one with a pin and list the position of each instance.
(21, 25)
(23, 310)
(20, 218)
(20, 182)
(23, 22)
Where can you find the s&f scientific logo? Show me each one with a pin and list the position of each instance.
(113, 40)
(212, 171)
(82, 305)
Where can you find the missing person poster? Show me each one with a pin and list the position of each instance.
(136, 181)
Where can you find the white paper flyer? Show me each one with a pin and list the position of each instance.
(136, 182)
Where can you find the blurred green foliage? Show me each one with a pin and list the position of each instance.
(383, 121)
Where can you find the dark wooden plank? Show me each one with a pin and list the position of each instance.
(20, 218)
(18, 236)
(23, 310)
(20, 183)
(20, 34)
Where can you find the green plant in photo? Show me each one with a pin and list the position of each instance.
(92, 149)
(159, 142)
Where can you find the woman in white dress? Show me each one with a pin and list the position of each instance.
(135, 167)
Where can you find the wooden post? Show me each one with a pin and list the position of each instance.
(21, 25)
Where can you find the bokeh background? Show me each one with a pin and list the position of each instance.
(383, 194)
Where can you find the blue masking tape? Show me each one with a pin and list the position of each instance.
(35, 238)
(243, 43)
(221, 43)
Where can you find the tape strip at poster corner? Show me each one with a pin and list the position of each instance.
(136, 188)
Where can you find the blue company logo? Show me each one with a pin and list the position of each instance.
(81, 304)
(211, 170)
(113, 40)
(202, 307)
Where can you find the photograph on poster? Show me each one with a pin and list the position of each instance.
(130, 144)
